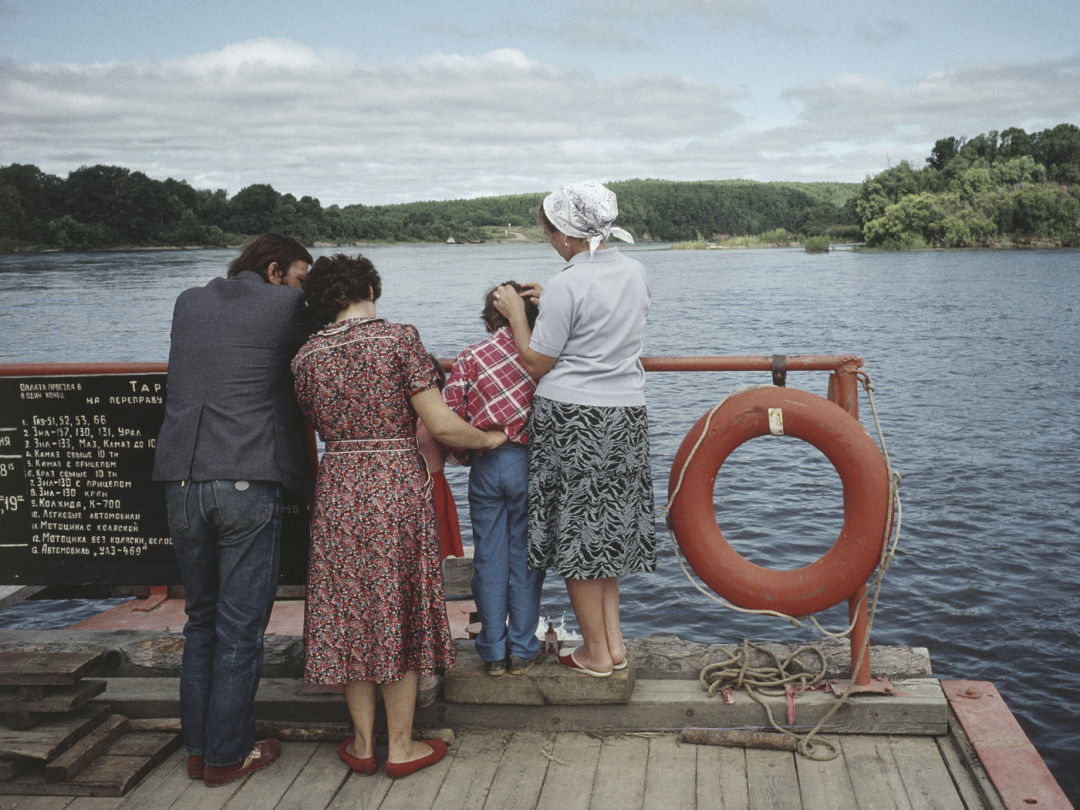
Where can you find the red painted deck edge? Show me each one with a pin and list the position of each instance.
(1011, 761)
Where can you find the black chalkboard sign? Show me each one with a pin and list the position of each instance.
(77, 506)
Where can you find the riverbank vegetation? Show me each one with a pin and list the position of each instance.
(999, 189)
(102, 207)
(994, 190)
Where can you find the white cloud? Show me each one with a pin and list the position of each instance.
(448, 126)
(968, 100)
(322, 123)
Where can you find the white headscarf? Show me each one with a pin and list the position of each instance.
(585, 210)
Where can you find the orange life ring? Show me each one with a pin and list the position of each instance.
(851, 560)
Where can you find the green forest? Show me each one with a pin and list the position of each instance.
(996, 189)
(999, 189)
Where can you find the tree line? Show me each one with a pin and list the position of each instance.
(997, 189)
(111, 206)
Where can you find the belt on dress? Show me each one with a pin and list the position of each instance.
(403, 445)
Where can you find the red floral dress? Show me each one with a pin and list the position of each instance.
(375, 605)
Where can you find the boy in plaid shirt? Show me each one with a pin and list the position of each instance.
(488, 388)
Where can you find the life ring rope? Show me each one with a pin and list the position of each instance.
(889, 545)
(891, 541)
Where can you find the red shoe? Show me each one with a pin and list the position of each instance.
(195, 765)
(264, 752)
(365, 766)
(396, 770)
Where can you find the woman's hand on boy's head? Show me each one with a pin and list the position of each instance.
(533, 290)
(508, 302)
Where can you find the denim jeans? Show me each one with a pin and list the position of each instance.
(227, 539)
(503, 587)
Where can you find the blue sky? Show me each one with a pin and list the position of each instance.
(377, 102)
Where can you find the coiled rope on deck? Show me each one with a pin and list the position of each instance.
(762, 680)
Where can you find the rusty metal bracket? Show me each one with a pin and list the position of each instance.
(779, 370)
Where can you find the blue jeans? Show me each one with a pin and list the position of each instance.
(227, 539)
(503, 587)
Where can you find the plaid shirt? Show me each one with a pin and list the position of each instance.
(488, 386)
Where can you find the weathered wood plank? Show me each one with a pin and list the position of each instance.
(54, 735)
(569, 781)
(419, 789)
(476, 757)
(94, 803)
(157, 746)
(361, 792)
(521, 774)
(923, 772)
(111, 776)
(620, 774)
(318, 782)
(547, 683)
(104, 776)
(671, 775)
(873, 773)
(162, 787)
(825, 785)
(972, 782)
(43, 802)
(772, 781)
(267, 788)
(69, 763)
(47, 669)
(721, 778)
(64, 699)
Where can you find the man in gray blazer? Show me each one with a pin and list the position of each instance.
(232, 438)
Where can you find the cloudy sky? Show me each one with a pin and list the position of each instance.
(378, 102)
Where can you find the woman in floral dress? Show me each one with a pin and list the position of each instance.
(375, 612)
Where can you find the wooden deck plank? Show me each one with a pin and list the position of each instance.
(161, 786)
(671, 776)
(570, 775)
(825, 784)
(772, 780)
(43, 802)
(924, 774)
(475, 760)
(78, 756)
(620, 774)
(47, 669)
(977, 792)
(266, 788)
(317, 783)
(520, 778)
(418, 791)
(361, 792)
(56, 699)
(94, 803)
(873, 773)
(721, 778)
(54, 734)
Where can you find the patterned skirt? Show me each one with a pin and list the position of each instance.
(590, 490)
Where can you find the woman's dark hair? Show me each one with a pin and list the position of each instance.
(439, 370)
(264, 250)
(335, 282)
(494, 319)
(545, 223)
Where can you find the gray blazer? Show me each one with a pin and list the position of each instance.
(230, 412)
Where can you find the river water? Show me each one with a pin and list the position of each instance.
(977, 394)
